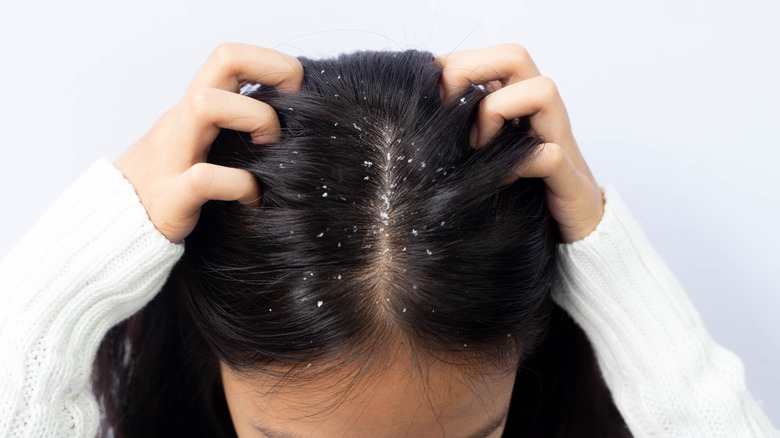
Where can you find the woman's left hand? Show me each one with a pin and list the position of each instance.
(574, 197)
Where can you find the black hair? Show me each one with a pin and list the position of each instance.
(377, 223)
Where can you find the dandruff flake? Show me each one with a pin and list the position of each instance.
(319, 303)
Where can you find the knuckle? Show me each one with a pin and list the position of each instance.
(200, 102)
(296, 68)
(223, 53)
(518, 53)
(555, 156)
(547, 86)
(198, 178)
(453, 76)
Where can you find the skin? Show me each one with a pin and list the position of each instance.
(395, 402)
(167, 168)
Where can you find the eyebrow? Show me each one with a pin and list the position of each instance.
(273, 433)
(482, 432)
(489, 428)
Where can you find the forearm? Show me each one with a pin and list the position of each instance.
(666, 374)
(91, 261)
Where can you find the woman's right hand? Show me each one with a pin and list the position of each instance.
(167, 166)
(574, 198)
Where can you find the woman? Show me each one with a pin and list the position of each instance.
(112, 256)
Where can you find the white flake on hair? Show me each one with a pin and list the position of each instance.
(356, 127)
(325, 194)
(404, 310)
(429, 251)
(388, 136)
(462, 100)
(319, 303)
(320, 235)
(414, 231)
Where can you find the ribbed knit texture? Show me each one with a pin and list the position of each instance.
(91, 261)
(667, 376)
(95, 258)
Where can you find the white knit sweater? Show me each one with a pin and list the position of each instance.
(95, 258)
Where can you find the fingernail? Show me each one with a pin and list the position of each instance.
(473, 136)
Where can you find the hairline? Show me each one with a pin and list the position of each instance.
(481, 432)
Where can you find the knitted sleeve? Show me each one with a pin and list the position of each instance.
(93, 259)
(667, 376)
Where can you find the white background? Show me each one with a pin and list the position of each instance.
(673, 102)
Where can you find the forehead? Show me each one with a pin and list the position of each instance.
(399, 400)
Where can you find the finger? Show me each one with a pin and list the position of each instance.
(231, 65)
(205, 181)
(210, 109)
(537, 98)
(551, 163)
(508, 63)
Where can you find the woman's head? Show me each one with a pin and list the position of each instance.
(387, 278)
(382, 236)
